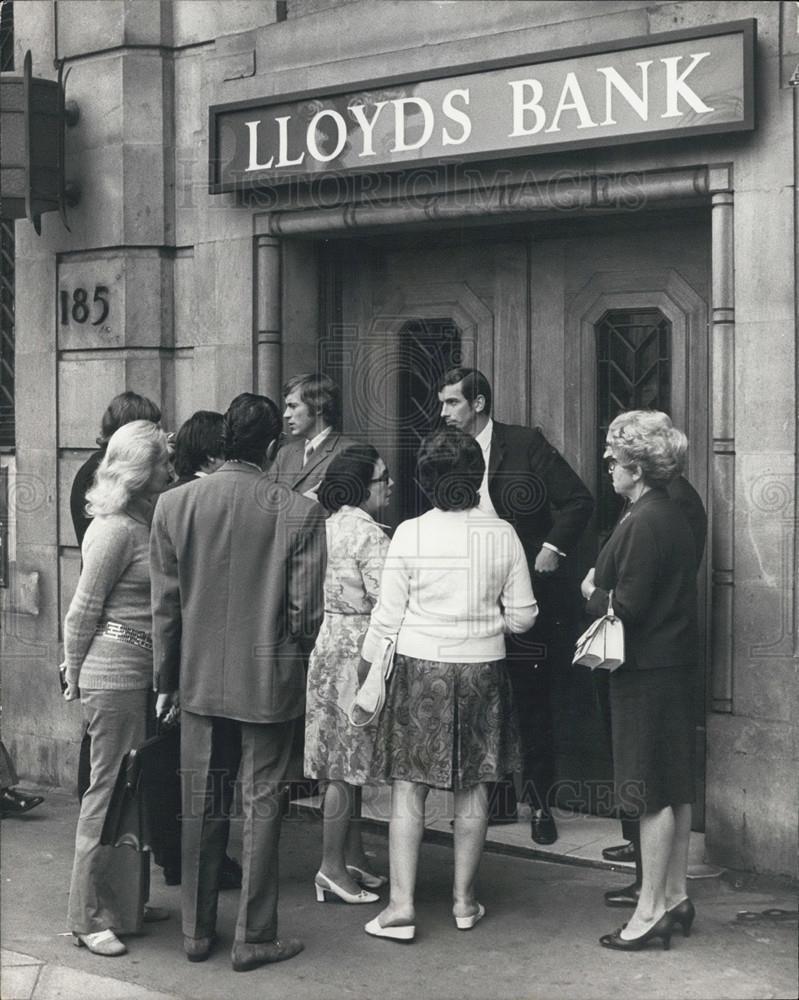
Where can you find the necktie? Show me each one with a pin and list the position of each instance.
(308, 453)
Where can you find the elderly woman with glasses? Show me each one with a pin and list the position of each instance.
(455, 583)
(109, 666)
(649, 566)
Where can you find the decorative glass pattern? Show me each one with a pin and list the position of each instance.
(428, 347)
(633, 373)
(6, 334)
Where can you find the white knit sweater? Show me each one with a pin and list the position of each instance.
(454, 583)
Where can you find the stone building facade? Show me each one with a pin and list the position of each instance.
(668, 259)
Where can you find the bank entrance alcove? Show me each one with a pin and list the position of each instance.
(577, 300)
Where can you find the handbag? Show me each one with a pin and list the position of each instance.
(371, 695)
(145, 804)
(601, 646)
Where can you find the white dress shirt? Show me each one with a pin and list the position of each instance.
(484, 440)
(313, 444)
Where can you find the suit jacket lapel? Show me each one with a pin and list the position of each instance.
(319, 455)
(494, 461)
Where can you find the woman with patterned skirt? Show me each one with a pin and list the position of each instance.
(455, 582)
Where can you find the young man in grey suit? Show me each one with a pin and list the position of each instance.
(237, 566)
(313, 419)
(529, 484)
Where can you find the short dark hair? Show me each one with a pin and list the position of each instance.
(123, 409)
(252, 423)
(348, 477)
(199, 439)
(319, 393)
(450, 468)
(474, 384)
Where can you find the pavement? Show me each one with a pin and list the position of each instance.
(539, 940)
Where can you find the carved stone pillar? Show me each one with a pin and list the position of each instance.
(722, 352)
(267, 362)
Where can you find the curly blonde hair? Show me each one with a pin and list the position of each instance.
(648, 439)
(133, 452)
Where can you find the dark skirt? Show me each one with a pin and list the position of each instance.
(447, 725)
(652, 724)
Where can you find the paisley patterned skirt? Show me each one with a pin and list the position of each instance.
(448, 725)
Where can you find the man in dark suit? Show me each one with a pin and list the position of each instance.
(313, 419)
(531, 485)
(237, 565)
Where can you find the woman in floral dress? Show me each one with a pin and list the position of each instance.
(355, 488)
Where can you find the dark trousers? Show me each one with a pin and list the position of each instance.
(207, 757)
(530, 663)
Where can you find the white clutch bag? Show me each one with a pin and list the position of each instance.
(601, 646)
(371, 695)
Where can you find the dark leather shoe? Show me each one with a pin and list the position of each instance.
(230, 874)
(620, 853)
(172, 874)
(628, 896)
(249, 955)
(198, 949)
(13, 803)
(662, 930)
(542, 827)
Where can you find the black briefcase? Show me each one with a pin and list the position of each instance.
(144, 811)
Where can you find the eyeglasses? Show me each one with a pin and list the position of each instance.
(384, 478)
(611, 464)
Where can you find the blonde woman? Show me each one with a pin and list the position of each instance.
(109, 666)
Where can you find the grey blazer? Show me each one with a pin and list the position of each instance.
(237, 566)
(288, 467)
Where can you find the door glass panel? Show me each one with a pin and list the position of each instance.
(633, 373)
(428, 347)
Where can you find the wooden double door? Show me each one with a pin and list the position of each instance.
(572, 323)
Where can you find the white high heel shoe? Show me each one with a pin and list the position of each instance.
(324, 888)
(367, 878)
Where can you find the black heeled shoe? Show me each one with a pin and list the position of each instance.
(683, 914)
(661, 929)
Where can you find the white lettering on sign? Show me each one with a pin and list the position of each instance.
(529, 97)
(283, 144)
(310, 138)
(253, 164)
(677, 87)
(614, 80)
(400, 103)
(556, 104)
(571, 99)
(456, 115)
(358, 112)
(520, 106)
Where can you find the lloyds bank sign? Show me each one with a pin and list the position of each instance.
(679, 84)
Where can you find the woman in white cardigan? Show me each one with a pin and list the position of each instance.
(109, 666)
(454, 583)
